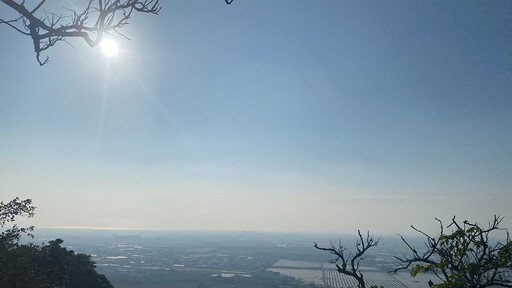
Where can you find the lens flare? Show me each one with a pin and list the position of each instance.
(109, 47)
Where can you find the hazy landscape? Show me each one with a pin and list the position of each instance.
(219, 259)
(128, 128)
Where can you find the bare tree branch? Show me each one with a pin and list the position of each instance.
(48, 28)
(350, 263)
(99, 17)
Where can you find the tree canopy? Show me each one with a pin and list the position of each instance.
(46, 265)
(470, 255)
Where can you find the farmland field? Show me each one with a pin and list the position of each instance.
(310, 276)
(325, 274)
(284, 263)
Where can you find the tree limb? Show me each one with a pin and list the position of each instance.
(350, 263)
(49, 28)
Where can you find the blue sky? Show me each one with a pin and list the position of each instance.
(267, 115)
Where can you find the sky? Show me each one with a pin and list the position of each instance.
(282, 115)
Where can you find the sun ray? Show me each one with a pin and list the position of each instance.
(109, 47)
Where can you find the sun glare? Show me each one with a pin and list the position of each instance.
(109, 47)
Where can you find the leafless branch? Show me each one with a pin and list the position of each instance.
(47, 28)
(350, 263)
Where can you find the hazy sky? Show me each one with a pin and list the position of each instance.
(281, 115)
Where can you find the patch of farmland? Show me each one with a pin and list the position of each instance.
(337, 280)
(284, 263)
(334, 279)
(383, 279)
(310, 276)
(331, 266)
(326, 274)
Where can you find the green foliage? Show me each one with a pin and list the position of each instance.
(13, 208)
(416, 269)
(467, 256)
(82, 273)
(46, 265)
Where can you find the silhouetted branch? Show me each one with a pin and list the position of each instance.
(15, 207)
(350, 263)
(99, 17)
(8, 212)
(90, 24)
(466, 257)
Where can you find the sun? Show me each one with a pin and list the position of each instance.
(109, 47)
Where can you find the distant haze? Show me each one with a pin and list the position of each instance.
(315, 116)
